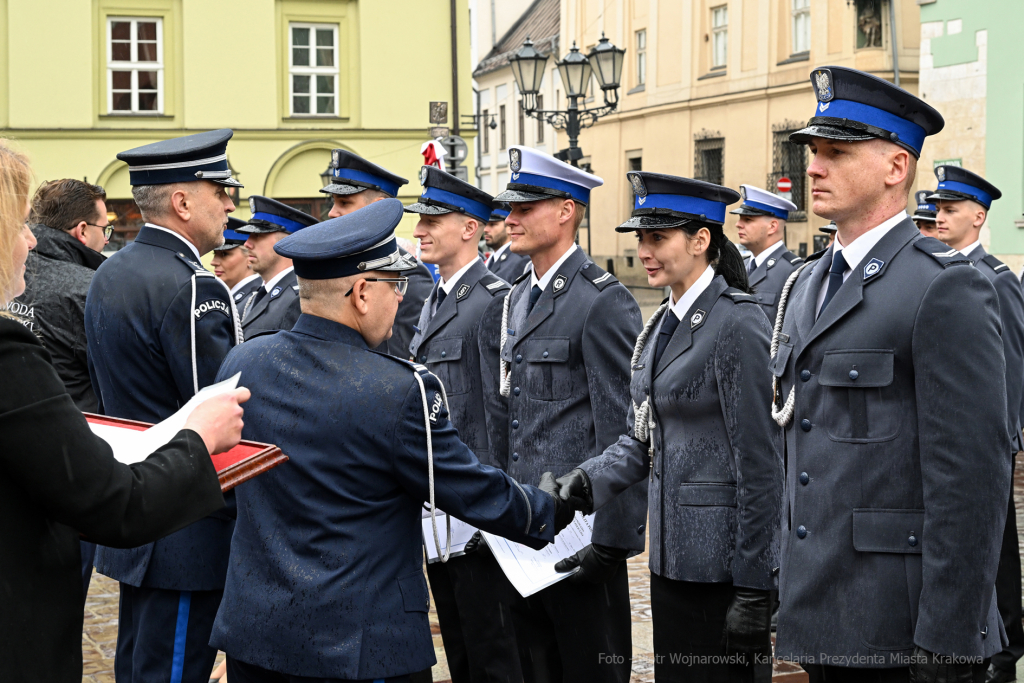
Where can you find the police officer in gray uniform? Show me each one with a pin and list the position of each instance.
(455, 340)
(700, 427)
(762, 229)
(503, 262)
(924, 215)
(568, 331)
(895, 506)
(963, 200)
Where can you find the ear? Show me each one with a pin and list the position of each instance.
(567, 213)
(470, 229)
(181, 205)
(979, 217)
(773, 226)
(899, 166)
(699, 243)
(78, 232)
(360, 296)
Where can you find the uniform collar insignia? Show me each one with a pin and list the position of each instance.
(697, 318)
(771, 262)
(503, 257)
(463, 291)
(558, 283)
(872, 268)
(274, 292)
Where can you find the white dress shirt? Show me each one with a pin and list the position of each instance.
(966, 251)
(269, 285)
(450, 284)
(243, 283)
(680, 308)
(764, 255)
(495, 255)
(856, 250)
(180, 237)
(543, 282)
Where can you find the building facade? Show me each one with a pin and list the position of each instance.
(82, 81)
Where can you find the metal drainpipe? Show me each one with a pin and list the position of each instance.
(455, 68)
(895, 53)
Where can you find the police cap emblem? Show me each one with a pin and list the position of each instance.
(743, 192)
(697, 318)
(940, 173)
(463, 291)
(558, 283)
(514, 160)
(423, 175)
(638, 184)
(872, 268)
(823, 85)
(252, 204)
(335, 157)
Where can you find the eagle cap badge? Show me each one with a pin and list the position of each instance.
(638, 184)
(252, 205)
(940, 173)
(823, 85)
(423, 175)
(515, 161)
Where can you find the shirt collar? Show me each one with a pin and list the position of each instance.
(243, 283)
(966, 251)
(269, 285)
(856, 250)
(180, 237)
(681, 308)
(501, 250)
(763, 256)
(543, 282)
(450, 284)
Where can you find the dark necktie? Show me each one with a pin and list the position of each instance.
(668, 328)
(835, 279)
(534, 295)
(441, 294)
(751, 266)
(260, 293)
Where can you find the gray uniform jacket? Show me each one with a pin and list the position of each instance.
(277, 310)
(459, 345)
(1011, 313)
(897, 476)
(509, 266)
(768, 279)
(716, 484)
(569, 384)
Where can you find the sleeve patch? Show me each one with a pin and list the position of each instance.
(219, 305)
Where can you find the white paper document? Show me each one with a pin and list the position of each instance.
(533, 570)
(132, 446)
(461, 533)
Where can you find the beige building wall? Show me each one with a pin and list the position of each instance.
(762, 87)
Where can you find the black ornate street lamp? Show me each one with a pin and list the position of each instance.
(575, 69)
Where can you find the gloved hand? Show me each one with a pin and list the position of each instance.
(575, 489)
(563, 510)
(597, 563)
(748, 624)
(476, 544)
(928, 667)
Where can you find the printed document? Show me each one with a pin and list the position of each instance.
(534, 570)
(461, 533)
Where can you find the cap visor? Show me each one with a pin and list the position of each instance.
(949, 196)
(250, 229)
(828, 230)
(227, 246)
(405, 262)
(747, 211)
(652, 223)
(428, 209)
(804, 135)
(513, 196)
(921, 217)
(230, 182)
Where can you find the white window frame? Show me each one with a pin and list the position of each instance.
(135, 66)
(801, 26)
(312, 71)
(641, 56)
(719, 36)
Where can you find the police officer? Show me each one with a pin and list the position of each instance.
(762, 230)
(895, 506)
(699, 424)
(924, 215)
(275, 304)
(158, 326)
(355, 183)
(567, 336)
(455, 341)
(503, 262)
(963, 200)
(231, 263)
(326, 576)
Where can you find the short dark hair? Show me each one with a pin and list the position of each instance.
(63, 204)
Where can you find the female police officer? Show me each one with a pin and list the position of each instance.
(700, 426)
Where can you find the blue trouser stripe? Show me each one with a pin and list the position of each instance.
(180, 633)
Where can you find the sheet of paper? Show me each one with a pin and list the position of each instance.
(131, 446)
(461, 533)
(534, 570)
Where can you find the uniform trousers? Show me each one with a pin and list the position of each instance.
(240, 672)
(472, 598)
(576, 632)
(1008, 593)
(88, 557)
(689, 630)
(817, 673)
(164, 635)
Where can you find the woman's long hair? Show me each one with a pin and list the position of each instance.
(723, 256)
(15, 179)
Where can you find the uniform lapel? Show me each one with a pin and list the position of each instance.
(695, 318)
(424, 322)
(978, 254)
(760, 272)
(559, 284)
(259, 308)
(449, 309)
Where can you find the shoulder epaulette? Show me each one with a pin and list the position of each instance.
(598, 276)
(795, 260)
(941, 252)
(196, 267)
(995, 264)
(493, 284)
(739, 297)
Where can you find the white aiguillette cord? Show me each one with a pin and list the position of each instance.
(784, 415)
(430, 470)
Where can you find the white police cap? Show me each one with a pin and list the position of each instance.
(536, 175)
(758, 202)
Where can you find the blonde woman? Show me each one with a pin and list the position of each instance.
(59, 482)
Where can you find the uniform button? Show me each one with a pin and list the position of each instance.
(805, 375)
(516, 391)
(804, 478)
(912, 541)
(515, 424)
(805, 425)
(444, 354)
(854, 374)
(545, 354)
(657, 473)
(519, 358)
(640, 529)
(515, 457)
(423, 359)
(801, 531)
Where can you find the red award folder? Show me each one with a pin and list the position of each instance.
(240, 464)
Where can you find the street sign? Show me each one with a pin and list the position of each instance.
(785, 184)
(457, 149)
(438, 112)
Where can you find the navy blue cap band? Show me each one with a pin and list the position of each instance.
(577, 192)
(983, 198)
(773, 210)
(675, 202)
(500, 213)
(232, 236)
(369, 178)
(289, 225)
(910, 133)
(465, 204)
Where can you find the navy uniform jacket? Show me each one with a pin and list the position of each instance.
(459, 346)
(326, 576)
(1011, 314)
(243, 292)
(143, 305)
(509, 266)
(897, 476)
(277, 310)
(768, 279)
(716, 484)
(420, 286)
(569, 361)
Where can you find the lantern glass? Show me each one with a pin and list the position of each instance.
(326, 176)
(528, 68)
(575, 70)
(607, 60)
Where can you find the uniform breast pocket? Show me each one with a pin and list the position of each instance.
(862, 403)
(444, 358)
(547, 368)
(765, 299)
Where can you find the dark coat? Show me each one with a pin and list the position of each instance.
(420, 286)
(326, 575)
(716, 485)
(1011, 315)
(897, 475)
(768, 279)
(509, 266)
(57, 480)
(146, 363)
(241, 295)
(569, 361)
(458, 345)
(277, 310)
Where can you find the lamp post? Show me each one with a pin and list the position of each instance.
(603, 61)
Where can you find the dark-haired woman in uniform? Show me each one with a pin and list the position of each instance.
(700, 427)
